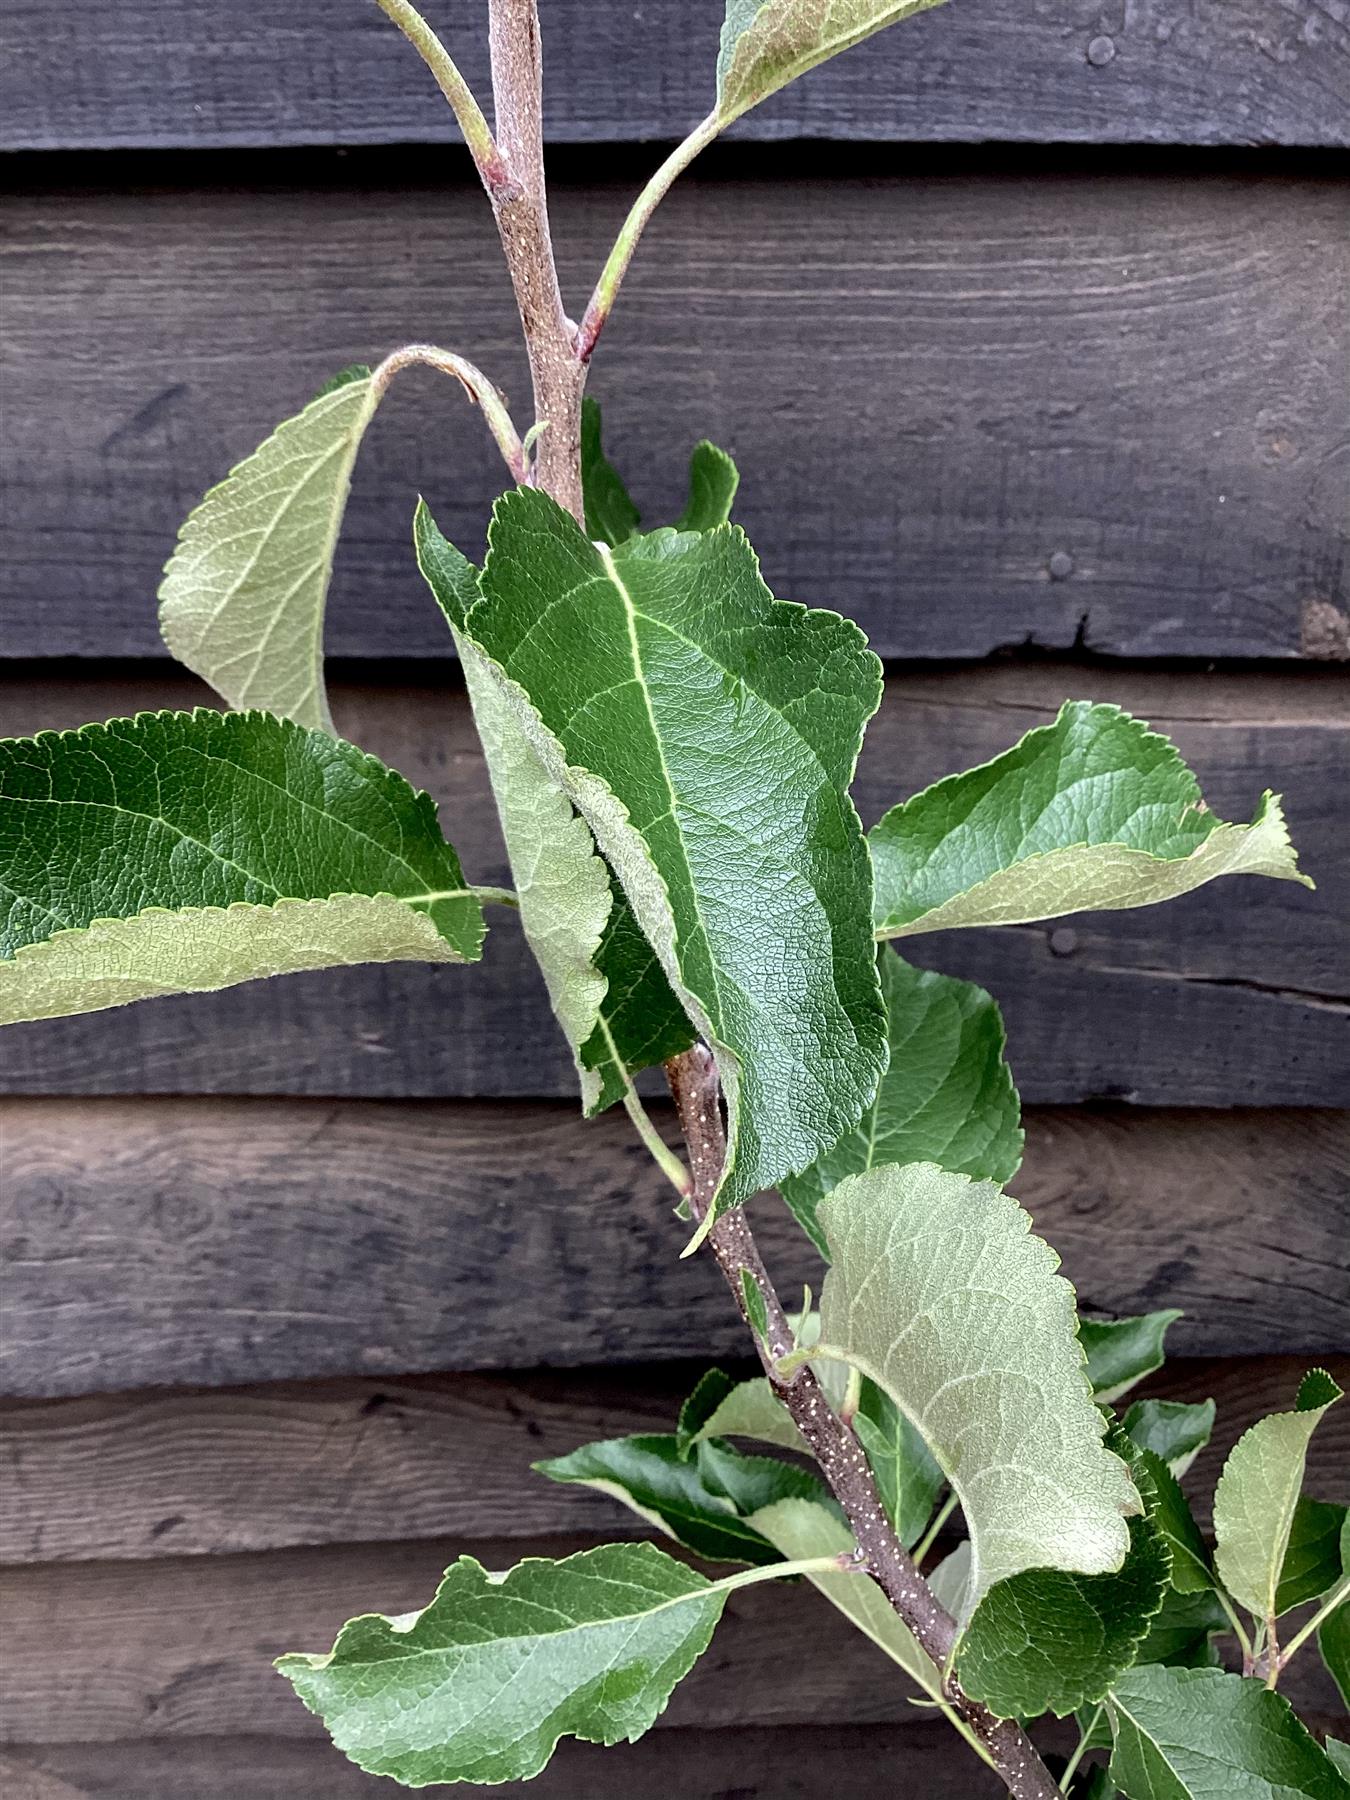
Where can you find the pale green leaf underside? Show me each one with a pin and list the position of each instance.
(767, 43)
(708, 734)
(799, 1529)
(940, 1293)
(1090, 814)
(1256, 1496)
(182, 852)
(481, 1685)
(947, 1096)
(243, 595)
(606, 989)
(1202, 1734)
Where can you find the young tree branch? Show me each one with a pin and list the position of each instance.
(693, 1082)
(521, 208)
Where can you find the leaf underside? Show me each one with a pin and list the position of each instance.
(182, 852)
(482, 1684)
(947, 1096)
(768, 43)
(243, 595)
(1092, 813)
(1257, 1495)
(940, 1294)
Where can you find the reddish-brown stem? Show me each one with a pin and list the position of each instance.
(693, 1082)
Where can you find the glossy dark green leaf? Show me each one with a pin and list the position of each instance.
(1173, 1429)
(713, 481)
(1192, 1563)
(947, 1096)
(1333, 1637)
(481, 1685)
(708, 1393)
(1312, 1556)
(1182, 1632)
(653, 679)
(1120, 1352)
(183, 852)
(1201, 1734)
(1092, 813)
(907, 1474)
(700, 1503)
(611, 516)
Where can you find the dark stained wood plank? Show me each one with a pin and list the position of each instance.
(179, 72)
(194, 1243)
(755, 1763)
(203, 1472)
(1127, 377)
(1233, 996)
(182, 1648)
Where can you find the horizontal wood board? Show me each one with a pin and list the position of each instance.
(747, 1763)
(125, 1477)
(191, 72)
(1235, 995)
(182, 1648)
(1094, 409)
(213, 1243)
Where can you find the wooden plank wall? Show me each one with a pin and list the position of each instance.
(1028, 328)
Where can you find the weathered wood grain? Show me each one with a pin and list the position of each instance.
(180, 1243)
(182, 1648)
(180, 72)
(1235, 995)
(1134, 381)
(203, 1473)
(755, 1763)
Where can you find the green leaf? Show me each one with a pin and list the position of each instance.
(1339, 1754)
(1201, 1734)
(1051, 1641)
(482, 1684)
(652, 680)
(1120, 1352)
(182, 852)
(1258, 1491)
(709, 1392)
(940, 1294)
(767, 43)
(611, 516)
(799, 1529)
(688, 1501)
(713, 481)
(1183, 1631)
(1092, 813)
(947, 1096)
(1192, 1568)
(751, 1410)
(1172, 1429)
(755, 1309)
(907, 1474)
(1333, 1637)
(604, 983)
(243, 595)
(1312, 1557)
